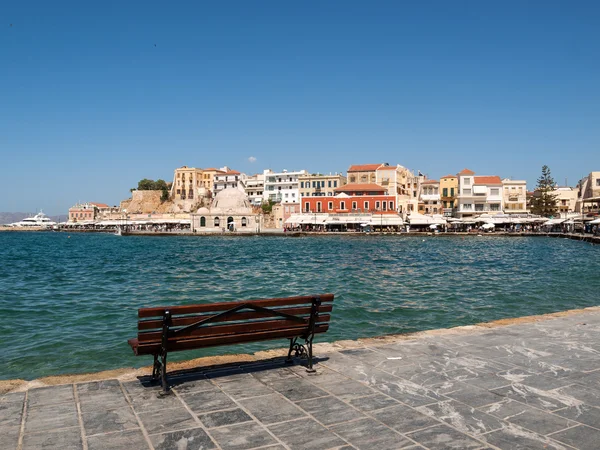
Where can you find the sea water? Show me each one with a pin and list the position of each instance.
(68, 302)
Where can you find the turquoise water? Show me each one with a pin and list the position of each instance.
(68, 304)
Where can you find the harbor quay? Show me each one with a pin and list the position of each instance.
(526, 383)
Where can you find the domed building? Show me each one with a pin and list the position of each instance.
(230, 211)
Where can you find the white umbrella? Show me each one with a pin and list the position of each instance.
(487, 226)
(433, 225)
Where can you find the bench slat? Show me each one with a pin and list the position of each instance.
(153, 324)
(190, 344)
(224, 306)
(223, 330)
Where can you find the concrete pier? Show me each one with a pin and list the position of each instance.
(521, 384)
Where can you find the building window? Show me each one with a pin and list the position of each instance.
(323, 183)
(495, 191)
(243, 221)
(352, 179)
(354, 205)
(597, 182)
(366, 205)
(467, 181)
(217, 222)
(329, 183)
(302, 184)
(451, 192)
(445, 192)
(334, 183)
(307, 207)
(330, 206)
(377, 205)
(203, 221)
(494, 207)
(467, 206)
(314, 184)
(391, 206)
(343, 205)
(318, 206)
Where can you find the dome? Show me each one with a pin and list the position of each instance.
(231, 200)
(203, 210)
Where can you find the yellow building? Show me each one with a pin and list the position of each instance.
(317, 185)
(186, 183)
(448, 193)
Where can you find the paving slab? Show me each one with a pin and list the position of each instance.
(207, 401)
(306, 434)
(442, 437)
(127, 440)
(330, 410)
(69, 439)
(51, 417)
(221, 418)
(373, 402)
(272, 408)
(581, 437)
(106, 421)
(242, 437)
(371, 434)
(167, 420)
(193, 438)
(50, 395)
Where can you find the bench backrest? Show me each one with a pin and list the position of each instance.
(212, 324)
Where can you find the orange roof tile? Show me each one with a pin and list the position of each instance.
(231, 172)
(99, 205)
(363, 167)
(449, 176)
(430, 182)
(387, 168)
(355, 187)
(466, 172)
(487, 180)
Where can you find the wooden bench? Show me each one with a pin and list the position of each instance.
(169, 329)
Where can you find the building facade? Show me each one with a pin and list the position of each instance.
(589, 194)
(318, 185)
(282, 187)
(228, 179)
(566, 200)
(478, 194)
(448, 193)
(187, 182)
(429, 198)
(230, 211)
(514, 194)
(254, 187)
(86, 212)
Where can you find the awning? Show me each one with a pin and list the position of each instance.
(419, 219)
(595, 222)
(386, 221)
(552, 222)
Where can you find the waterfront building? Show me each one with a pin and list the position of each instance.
(429, 197)
(397, 180)
(86, 212)
(589, 194)
(514, 193)
(208, 177)
(352, 198)
(566, 200)
(254, 187)
(283, 211)
(478, 194)
(230, 211)
(318, 185)
(186, 183)
(228, 178)
(282, 187)
(448, 193)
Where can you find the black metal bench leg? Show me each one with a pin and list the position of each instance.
(163, 376)
(155, 368)
(289, 359)
(310, 368)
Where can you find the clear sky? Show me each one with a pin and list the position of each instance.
(95, 96)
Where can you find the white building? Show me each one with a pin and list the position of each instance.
(514, 194)
(478, 194)
(230, 211)
(429, 201)
(282, 187)
(228, 179)
(254, 186)
(566, 201)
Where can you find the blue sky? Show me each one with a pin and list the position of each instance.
(95, 97)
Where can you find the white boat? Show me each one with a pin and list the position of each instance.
(39, 220)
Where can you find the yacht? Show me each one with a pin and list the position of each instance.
(39, 220)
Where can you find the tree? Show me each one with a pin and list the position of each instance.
(267, 207)
(544, 200)
(158, 185)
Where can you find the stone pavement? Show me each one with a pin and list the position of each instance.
(524, 386)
